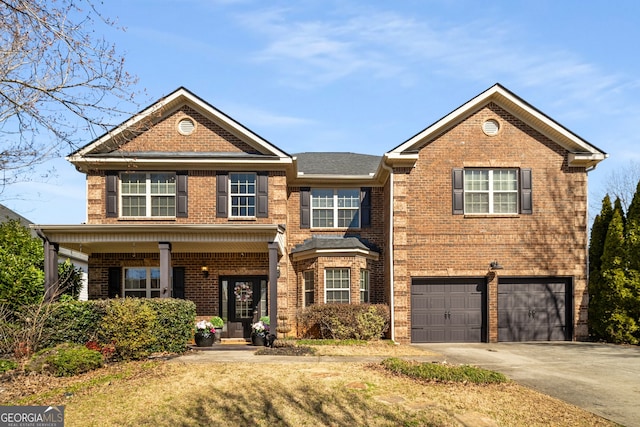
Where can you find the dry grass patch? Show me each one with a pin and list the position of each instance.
(289, 394)
(382, 348)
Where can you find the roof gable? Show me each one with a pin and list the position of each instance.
(138, 138)
(581, 152)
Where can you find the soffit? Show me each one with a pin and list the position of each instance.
(132, 238)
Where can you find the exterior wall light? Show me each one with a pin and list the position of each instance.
(205, 271)
(495, 265)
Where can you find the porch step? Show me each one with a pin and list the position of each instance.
(233, 341)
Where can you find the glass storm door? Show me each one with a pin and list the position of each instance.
(243, 301)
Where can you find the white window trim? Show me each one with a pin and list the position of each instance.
(147, 195)
(305, 278)
(232, 195)
(148, 287)
(336, 209)
(327, 289)
(491, 192)
(365, 284)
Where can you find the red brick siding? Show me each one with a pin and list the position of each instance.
(163, 135)
(431, 242)
(203, 291)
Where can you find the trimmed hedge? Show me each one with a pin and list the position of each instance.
(345, 321)
(138, 326)
(173, 327)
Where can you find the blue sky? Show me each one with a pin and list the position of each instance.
(364, 76)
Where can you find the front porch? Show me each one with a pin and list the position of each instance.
(204, 264)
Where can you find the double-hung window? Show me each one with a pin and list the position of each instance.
(364, 286)
(243, 194)
(335, 208)
(148, 194)
(309, 290)
(142, 282)
(337, 285)
(490, 191)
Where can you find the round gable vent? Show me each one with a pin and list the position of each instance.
(491, 127)
(186, 126)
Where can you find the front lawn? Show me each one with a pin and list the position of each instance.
(172, 392)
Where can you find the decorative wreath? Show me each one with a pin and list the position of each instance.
(243, 292)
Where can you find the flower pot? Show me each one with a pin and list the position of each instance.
(218, 336)
(258, 339)
(204, 341)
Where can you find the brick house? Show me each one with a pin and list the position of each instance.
(475, 229)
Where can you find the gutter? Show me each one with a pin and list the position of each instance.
(391, 275)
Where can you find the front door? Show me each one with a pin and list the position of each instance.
(243, 300)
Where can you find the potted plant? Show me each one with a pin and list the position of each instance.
(217, 323)
(205, 334)
(259, 331)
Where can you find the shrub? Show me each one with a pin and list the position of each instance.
(74, 321)
(345, 321)
(129, 324)
(65, 360)
(173, 326)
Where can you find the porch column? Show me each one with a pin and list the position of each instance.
(165, 269)
(273, 287)
(51, 285)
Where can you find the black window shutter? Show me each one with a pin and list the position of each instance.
(458, 191)
(222, 195)
(262, 205)
(178, 282)
(526, 193)
(182, 194)
(305, 207)
(112, 194)
(115, 282)
(365, 207)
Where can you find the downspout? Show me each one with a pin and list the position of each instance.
(390, 249)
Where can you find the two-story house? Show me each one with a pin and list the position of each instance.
(475, 229)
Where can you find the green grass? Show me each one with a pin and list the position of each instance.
(7, 365)
(443, 373)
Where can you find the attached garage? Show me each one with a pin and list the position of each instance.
(448, 310)
(534, 309)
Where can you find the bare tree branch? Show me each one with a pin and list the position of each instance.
(58, 82)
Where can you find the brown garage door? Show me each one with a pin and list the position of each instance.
(534, 309)
(448, 310)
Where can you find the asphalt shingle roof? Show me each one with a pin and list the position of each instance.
(331, 242)
(337, 163)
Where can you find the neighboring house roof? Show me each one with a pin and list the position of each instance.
(581, 152)
(104, 150)
(333, 246)
(337, 164)
(77, 258)
(8, 214)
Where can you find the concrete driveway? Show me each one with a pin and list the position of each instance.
(601, 378)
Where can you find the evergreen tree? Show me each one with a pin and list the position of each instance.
(596, 248)
(632, 239)
(618, 324)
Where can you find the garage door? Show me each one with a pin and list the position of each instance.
(533, 309)
(448, 310)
